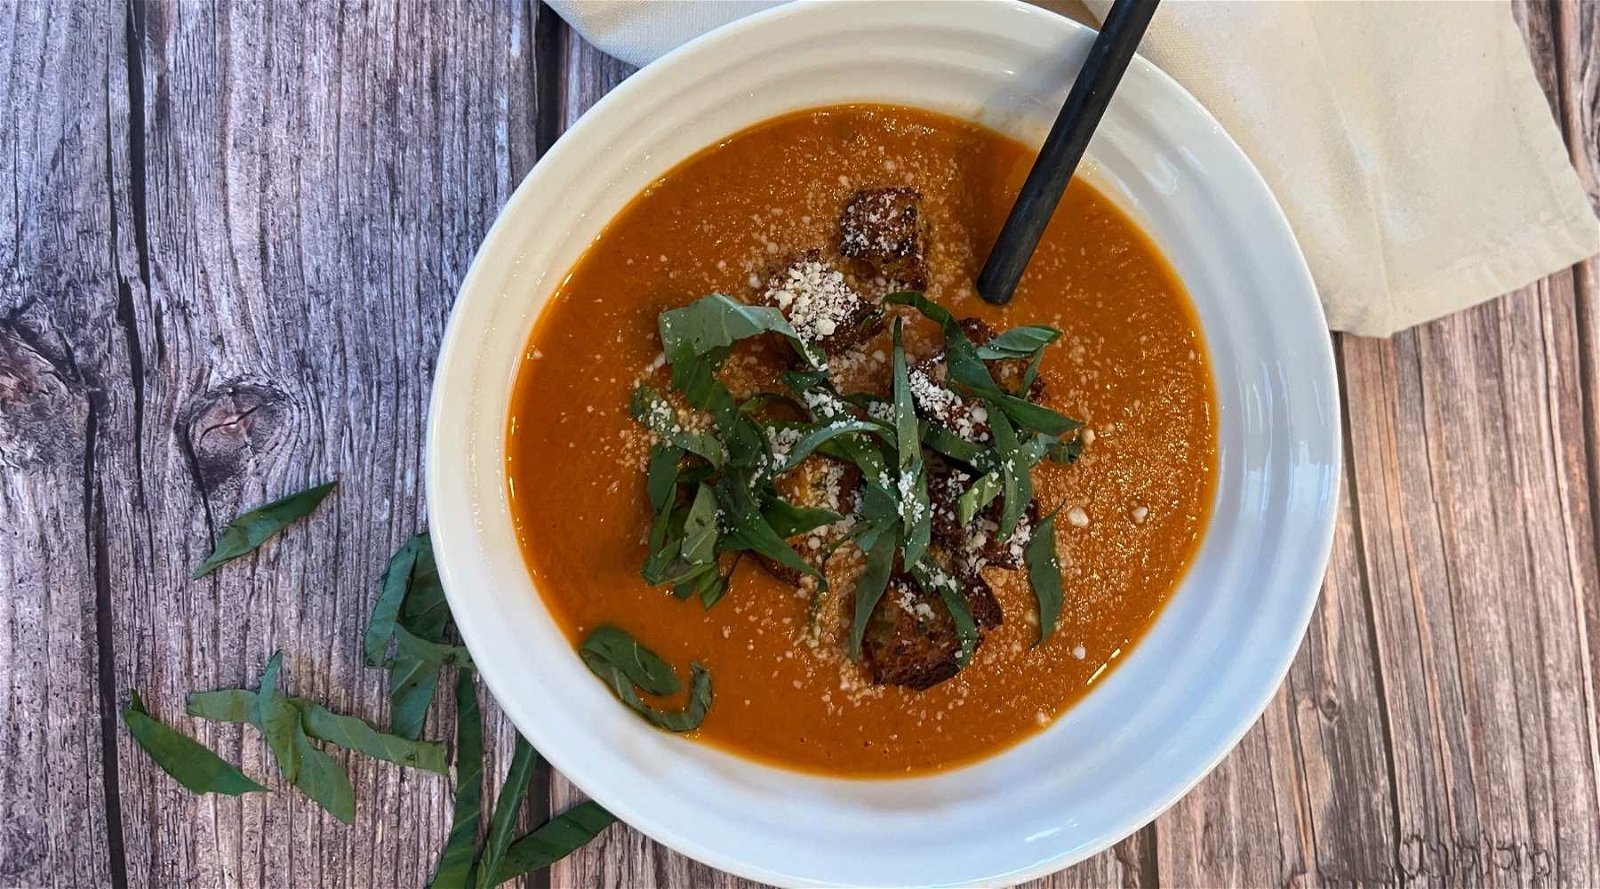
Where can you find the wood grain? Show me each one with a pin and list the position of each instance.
(232, 233)
(58, 276)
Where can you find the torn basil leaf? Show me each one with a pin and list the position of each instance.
(652, 410)
(636, 660)
(504, 819)
(936, 581)
(640, 665)
(235, 705)
(870, 586)
(717, 321)
(454, 870)
(1019, 342)
(188, 761)
(916, 512)
(1044, 574)
(251, 529)
(554, 840)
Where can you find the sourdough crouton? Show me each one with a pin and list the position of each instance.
(882, 229)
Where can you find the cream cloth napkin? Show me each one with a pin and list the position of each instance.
(1409, 143)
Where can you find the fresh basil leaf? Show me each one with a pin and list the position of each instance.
(322, 780)
(967, 371)
(808, 443)
(554, 840)
(685, 720)
(1016, 485)
(747, 530)
(413, 679)
(788, 520)
(523, 760)
(700, 528)
(952, 445)
(658, 415)
(1066, 452)
(931, 310)
(661, 479)
(278, 720)
(398, 579)
(1044, 574)
(235, 704)
(188, 761)
(454, 870)
(870, 586)
(939, 582)
(1019, 342)
(617, 664)
(425, 611)
(916, 512)
(640, 665)
(1031, 374)
(247, 532)
(356, 734)
(979, 495)
(717, 321)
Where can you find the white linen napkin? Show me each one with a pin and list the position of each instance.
(1409, 143)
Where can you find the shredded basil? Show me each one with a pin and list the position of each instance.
(188, 761)
(621, 666)
(1044, 574)
(251, 529)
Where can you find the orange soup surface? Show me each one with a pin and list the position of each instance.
(1130, 363)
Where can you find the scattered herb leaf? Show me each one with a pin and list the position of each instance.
(718, 321)
(916, 513)
(454, 870)
(322, 779)
(523, 759)
(278, 720)
(251, 529)
(655, 413)
(554, 840)
(188, 761)
(235, 704)
(398, 578)
(936, 580)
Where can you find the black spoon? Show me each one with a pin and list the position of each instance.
(1063, 148)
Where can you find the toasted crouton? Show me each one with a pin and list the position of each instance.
(820, 305)
(882, 229)
(911, 639)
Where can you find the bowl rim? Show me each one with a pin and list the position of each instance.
(451, 545)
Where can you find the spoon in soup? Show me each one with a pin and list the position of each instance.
(1063, 148)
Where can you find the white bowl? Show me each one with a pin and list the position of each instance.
(1185, 694)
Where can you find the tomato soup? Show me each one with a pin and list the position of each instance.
(1129, 363)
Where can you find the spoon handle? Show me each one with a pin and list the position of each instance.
(1063, 148)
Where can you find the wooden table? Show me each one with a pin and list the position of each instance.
(229, 238)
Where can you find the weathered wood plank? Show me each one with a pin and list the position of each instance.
(309, 184)
(58, 279)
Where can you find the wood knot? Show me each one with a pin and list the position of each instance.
(39, 409)
(231, 427)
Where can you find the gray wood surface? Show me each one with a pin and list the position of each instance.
(230, 234)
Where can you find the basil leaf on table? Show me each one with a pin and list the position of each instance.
(554, 840)
(322, 724)
(454, 870)
(322, 779)
(398, 579)
(188, 761)
(1044, 574)
(504, 820)
(251, 529)
(633, 659)
(278, 720)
